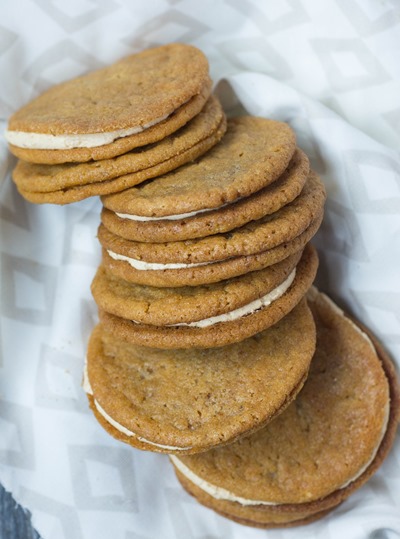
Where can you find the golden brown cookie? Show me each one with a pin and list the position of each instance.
(138, 100)
(123, 171)
(213, 272)
(325, 445)
(205, 223)
(185, 401)
(253, 153)
(267, 308)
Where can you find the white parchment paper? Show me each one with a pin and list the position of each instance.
(333, 73)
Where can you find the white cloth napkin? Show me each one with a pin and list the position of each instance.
(333, 74)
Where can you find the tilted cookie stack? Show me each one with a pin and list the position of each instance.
(205, 333)
(94, 135)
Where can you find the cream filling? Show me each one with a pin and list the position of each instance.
(44, 141)
(220, 493)
(142, 265)
(250, 308)
(88, 389)
(174, 217)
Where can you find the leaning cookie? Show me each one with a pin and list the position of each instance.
(137, 101)
(205, 317)
(186, 401)
(325, 445)
(65, 183)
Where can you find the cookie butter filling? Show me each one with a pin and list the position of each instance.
(174, 217)
(88, 389)
(250, 308)
(44, 141)
(144, 266)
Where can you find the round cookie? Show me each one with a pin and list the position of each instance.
(223, 330)
(254, 237)
(112, 110)
(213, 272)
(253, 153)
(205, 223)
(186, 401)
(126, 170)
(324, 446)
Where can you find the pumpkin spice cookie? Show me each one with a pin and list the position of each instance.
(324, 446)
(223, 318)
(70, 182)
(253, 153)
(195, 275)
(205, 223)
(186, 401)
(136, 101)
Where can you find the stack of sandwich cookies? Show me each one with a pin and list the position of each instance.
(324, 446)
(205, 334)
(219, 287)
(200, 263)
(205, 316)
(68, 182)
(118, 216)
(167, 263)
(126, 121)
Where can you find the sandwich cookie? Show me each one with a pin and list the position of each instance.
(195, 275)
(253, 153)
(325, 445)
(137, 101)
(205, 317)
(201, 223)
(186, 401)
(252, 238)
(70, 182)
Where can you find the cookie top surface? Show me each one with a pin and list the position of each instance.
(196, 399)
(253, 153)
(257, 236)
(133, 92)
(205, 223)
(49, 178)
(325, 439)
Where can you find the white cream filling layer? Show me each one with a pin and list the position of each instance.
(44, 141)
(218, 493)
(175, 217)
(250, 308)
(144, 266)
(88, 389)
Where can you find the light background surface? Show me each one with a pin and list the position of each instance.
(332, 70)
